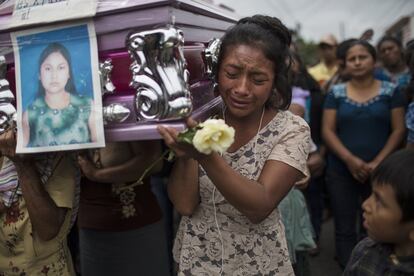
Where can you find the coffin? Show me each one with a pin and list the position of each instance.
(114, 21)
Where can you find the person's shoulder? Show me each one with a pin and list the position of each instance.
(387, 88)
(338, 91)
(366, 244)
(317, 66)
(287, 121)
(38, 102)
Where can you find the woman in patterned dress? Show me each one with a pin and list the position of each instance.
(231, 224)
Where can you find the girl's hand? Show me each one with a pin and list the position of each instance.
(372, 165)
(87, 168)
(358, 168)
(303, 183)
(181, 149)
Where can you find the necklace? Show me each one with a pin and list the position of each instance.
(214, 188)
(258, 130)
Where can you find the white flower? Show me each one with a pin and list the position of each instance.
(214, 135)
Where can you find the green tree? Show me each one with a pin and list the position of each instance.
(308, 50)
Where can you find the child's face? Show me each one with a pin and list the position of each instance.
(54, 73)
(382, 216)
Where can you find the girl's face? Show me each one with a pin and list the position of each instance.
(390, 53)
(245, 80)
(359, 62)
(54, 73)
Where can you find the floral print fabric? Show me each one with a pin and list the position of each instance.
(409, 122)
(21, 250)
(249, 249)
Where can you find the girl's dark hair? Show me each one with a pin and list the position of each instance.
(57, 48)
(343, 48)
(397, 171)
(389, 38)
(371, 49)
(273, 38)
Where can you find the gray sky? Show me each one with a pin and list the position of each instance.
(343, 18)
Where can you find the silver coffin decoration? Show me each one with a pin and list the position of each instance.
(115, 113)
(105, 69)
(211, 54)
(159, 74)
(7, 110)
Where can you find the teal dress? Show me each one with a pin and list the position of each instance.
(53, 127)
(298, 226)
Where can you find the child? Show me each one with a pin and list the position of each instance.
(389, 220)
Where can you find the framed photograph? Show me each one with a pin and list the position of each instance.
(59, 103)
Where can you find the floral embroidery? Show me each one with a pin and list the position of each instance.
(18, 233)
(11, 243)
(128, 211)
(126, 197)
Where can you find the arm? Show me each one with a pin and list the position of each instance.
(297, 109)
(316, 163)
(357, 167)
(26, 128)
(395, 139)
(183, 189)
(144, 153)
(91, 123)
(45, 216)
(255, 199)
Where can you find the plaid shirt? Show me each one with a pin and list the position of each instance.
(370, 258)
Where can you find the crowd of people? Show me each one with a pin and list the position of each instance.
(337, 135)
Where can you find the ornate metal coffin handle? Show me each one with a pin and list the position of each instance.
(211, 54)
(159, 74)
(105, 69)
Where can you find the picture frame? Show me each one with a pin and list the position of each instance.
(59, 103)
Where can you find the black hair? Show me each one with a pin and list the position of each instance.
(57, 48)
(303, 79)
(371, 50)
(273, 38)
(343, 48)
(397, 171)
(389, 38)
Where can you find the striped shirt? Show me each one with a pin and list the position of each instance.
(9, 183)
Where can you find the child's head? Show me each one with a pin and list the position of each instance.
(55, 69)
(389, 211)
